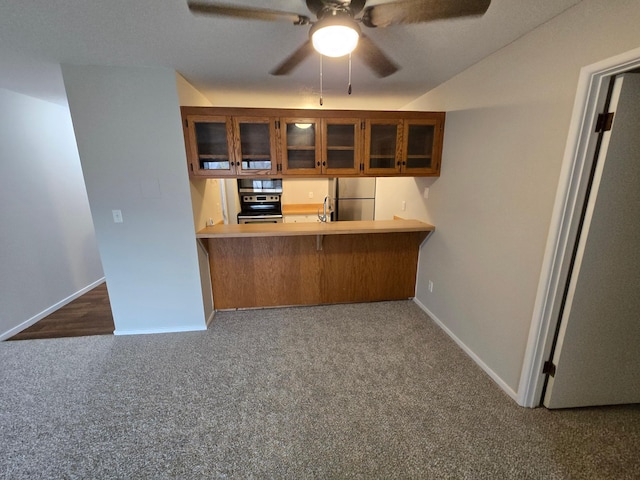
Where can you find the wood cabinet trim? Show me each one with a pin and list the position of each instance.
(357, 146)
(192, 145)
(436, 148)
(316, 148)
(273, 140)
(302, 113)
(398, 122)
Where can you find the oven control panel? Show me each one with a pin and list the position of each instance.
(260, 198)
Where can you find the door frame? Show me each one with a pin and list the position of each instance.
(578, 156)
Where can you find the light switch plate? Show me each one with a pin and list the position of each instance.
(117, 216)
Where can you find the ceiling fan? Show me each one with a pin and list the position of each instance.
(337, 32)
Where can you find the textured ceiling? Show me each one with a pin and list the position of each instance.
(229, 59)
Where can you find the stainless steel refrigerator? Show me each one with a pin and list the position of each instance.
(353, 198)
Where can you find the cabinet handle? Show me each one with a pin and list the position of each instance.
(318, 164)
(404, 163)
(398, 162)
(324, 164)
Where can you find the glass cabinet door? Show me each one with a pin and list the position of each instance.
(255, 145)
(211, 146)
(383, 146)
(419, 146)
(300, 145)
(341, 146)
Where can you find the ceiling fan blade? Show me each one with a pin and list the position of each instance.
(375, 58)
(293, 60)
(418, 11)
(220, 9)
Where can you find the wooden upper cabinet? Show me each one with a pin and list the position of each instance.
(341, 146)
(421, 146)
(255, 145)
(300, 145)
(210, 148)
(383, 146)
(240, 142)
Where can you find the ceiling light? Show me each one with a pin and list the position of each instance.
(335, 35)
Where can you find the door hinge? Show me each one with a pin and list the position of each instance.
(604, 122)
(362, 167)
(277, 124)
(186, 123)
(362, 125)
(549, 368)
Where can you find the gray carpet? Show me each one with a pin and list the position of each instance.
(349, 391)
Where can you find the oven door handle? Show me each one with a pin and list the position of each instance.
(258, 217)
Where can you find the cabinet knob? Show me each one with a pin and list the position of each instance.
(398, 162)
(404, 163)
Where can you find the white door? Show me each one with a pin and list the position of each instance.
(597, 356)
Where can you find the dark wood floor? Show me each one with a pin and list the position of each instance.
(89, 314)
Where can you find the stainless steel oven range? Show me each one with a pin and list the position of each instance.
(260, 200)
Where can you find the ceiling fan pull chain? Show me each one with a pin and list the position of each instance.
(349, 89)
(321, 80)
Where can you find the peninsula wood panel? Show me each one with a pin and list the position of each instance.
(276, 271)
(264, 271)
(366, 268)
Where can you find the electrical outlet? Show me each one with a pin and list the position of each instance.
(430, 286)
(117, 216)
(310, 194)
(426, 193)
(404, 205)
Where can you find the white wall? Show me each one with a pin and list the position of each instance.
(188, 95)
(403, 197)
(129, 135)
(297, 190)
(205, 192)
(206, 199)
(48, 249)
(506, 129)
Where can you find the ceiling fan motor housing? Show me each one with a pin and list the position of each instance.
(335, 33)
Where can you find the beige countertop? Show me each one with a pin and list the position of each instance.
(301, 208)
(314, 228)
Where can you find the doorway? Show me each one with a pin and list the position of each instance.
(582, 146)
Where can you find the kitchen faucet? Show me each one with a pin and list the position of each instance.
(323, 217)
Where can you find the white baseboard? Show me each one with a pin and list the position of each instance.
(146, 331)
(210, 318)
(36, 318)
(494, 376)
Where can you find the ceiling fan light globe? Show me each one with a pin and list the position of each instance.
(335, 40)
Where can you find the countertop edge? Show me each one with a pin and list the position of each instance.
(315, 228)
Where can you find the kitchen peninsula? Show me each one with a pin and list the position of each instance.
(268, 265)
